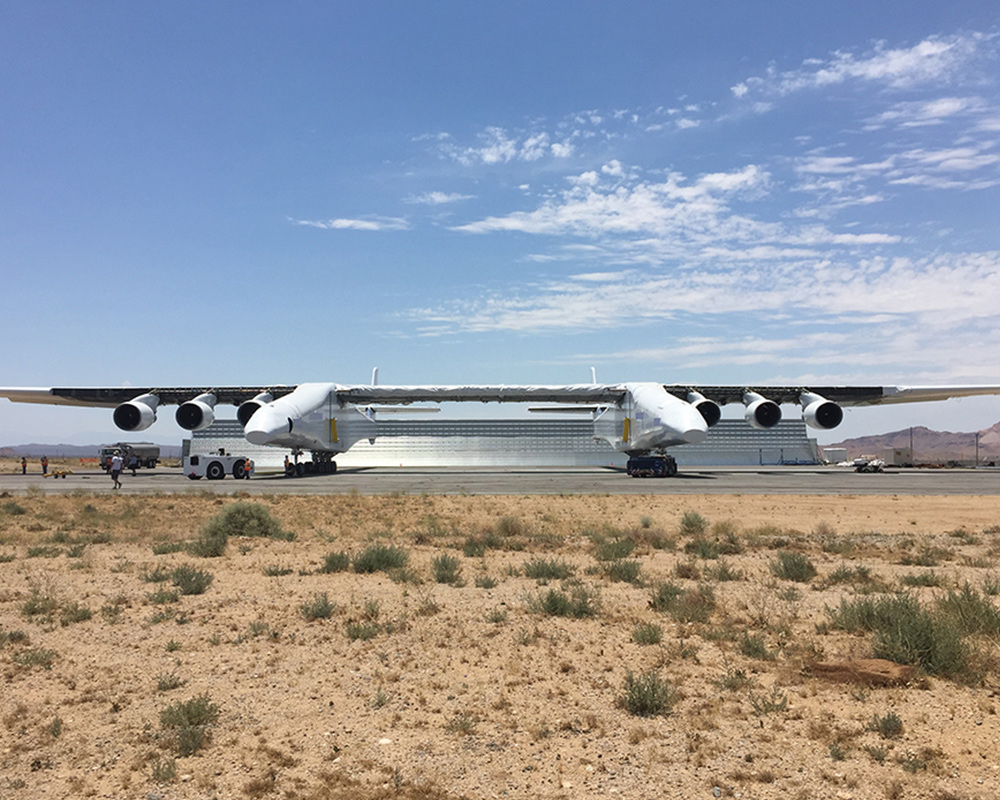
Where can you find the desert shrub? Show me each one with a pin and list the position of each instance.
(754, 646)
(702, 548)
(790, 566)
(579, 602)
(612, 549)
(969, 611)
(320, 607)
(380, 558)
(664, 595)
(724, 572)
(337, 561)
(40, 602)
(647, 695)
(447, 569)
(693, 524)
(684, 605)
(277, 570)
(888, 726)
(74, 612)
(38, 657)
(246, 519)
(166, 681)
(484, 581)
(157, 575)
(189, 580)
(362, 630)
(905, 632)
(623, 570)
(209, 544)
(922, 579)
(187, 723)
(163, 596)
(545, 569)
(13, 508)
(647, 633)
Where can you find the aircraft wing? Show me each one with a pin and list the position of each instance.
(604, 394)
(841, 395)
(109, 397)
(588, 393)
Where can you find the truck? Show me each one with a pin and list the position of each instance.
(215, 466)
(147, 453)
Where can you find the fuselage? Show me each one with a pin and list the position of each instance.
(645, 418)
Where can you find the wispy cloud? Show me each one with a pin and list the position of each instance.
(935, 59)
(362, 224)
(438, 198)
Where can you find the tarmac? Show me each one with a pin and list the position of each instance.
(532, 480)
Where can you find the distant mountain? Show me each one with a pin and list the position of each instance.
(929, 446)
(71, 450)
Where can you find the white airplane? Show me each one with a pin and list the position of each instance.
(640, 419)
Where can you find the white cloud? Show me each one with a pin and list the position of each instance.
(438, 198)
(934, 60)
(365, 224)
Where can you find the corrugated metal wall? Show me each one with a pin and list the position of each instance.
(526, 442)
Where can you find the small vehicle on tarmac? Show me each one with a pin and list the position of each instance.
(215, 467)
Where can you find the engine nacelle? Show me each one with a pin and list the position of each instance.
(761, 413)
(709, 409)
(249, 408)
(137, 414)
(818, 412)
(196, 414)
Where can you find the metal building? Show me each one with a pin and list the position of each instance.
(533, 442)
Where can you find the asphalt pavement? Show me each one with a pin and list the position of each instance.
(534, 480)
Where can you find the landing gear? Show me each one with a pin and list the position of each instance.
(321, 464)
(652, 466)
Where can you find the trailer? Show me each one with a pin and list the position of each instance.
(216, 466)
(147, 454)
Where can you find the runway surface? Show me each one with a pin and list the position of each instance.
(516, 481)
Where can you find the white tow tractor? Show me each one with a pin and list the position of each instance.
(869, 464)
(215, 467)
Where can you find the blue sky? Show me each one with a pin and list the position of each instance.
(243, 193)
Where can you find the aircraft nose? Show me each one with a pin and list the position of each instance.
(265, 425)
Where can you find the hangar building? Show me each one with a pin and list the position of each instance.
(525, 442)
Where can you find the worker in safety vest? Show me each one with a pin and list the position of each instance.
(247, 468)
(24, 465)
(45, 465)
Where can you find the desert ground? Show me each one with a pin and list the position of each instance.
(194, 646)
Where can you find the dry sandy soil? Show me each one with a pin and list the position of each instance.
(413, 688)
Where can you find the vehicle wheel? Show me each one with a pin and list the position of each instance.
(215, 471)
(194, 477)
(333, 467)
(239, 471)
(300, 469)
(151, 463)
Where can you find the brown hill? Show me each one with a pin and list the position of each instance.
(929, 445)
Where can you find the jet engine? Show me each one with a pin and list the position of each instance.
(197, 414)
(250, 407)
(709, 409)
(818, 412)
(761, 413)
(137, 414)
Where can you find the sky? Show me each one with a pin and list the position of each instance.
(217, 193)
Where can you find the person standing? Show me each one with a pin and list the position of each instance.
(116, 469)
(45, 465)
(247, 468)
(24, 465)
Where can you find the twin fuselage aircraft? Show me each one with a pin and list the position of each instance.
(639, 419)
